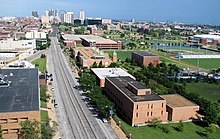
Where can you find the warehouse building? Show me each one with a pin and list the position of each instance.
(180, 108)
(19, 99)
(145, 58)
(134, 101)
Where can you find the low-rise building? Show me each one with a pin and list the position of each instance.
(145, 58)
(19, 100)
(87, 56)
(113, 27)
(205, 39)
(36, 35)
(100, 42)
(134, 101)
(12, 45)
(180, 108)
(102, 73)
(71, 40)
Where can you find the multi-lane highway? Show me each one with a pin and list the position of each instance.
(74, 118)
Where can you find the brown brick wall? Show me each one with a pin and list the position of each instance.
(10, 122)
(136, 112)
(183, 113)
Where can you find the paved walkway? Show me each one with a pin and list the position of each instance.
(117, 129)
(51, 109)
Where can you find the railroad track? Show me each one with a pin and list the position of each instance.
(86, 130)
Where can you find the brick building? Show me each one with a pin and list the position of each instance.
(179, 108)
(205, 39)
(135, 102)
(19, 99)
(71, 40)
(87, 56)
(100, 42)
(145, 58)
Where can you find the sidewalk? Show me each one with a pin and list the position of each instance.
(51, 109)
(117, 129)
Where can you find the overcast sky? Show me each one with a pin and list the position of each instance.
(189, 11)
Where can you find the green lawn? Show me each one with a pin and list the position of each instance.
(204, 63)
(191, 131)
(62, 27)
(41, 62)
(43, 104)
(209, 91)
(44, 115)
(122, 55)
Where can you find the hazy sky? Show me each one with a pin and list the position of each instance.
(190, 11)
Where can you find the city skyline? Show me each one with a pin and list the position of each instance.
(186, 11)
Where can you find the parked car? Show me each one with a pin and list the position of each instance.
(104, 120)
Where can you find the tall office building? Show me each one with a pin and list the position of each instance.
(35, 14)
(56, 13)
(82, 16)
(51, 12)
(67, 18)
(46, 13)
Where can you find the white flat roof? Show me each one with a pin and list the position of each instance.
(70, 37)
(208, 36)
(110, 72)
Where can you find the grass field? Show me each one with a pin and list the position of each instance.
(62, 27)
(43, 104)
(191, 131)
(193, 50)
(122, 55)
(41, 62)
(204, 63)
(209, 91)
(44, 115)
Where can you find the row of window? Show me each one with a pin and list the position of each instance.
(149, 114)
(6, 131)
(149, 106)
(12, 120)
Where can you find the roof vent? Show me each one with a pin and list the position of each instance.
(11, 74)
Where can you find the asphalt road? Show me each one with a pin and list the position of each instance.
(74, 117)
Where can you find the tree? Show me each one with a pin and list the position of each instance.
(1, 132)
(30, 129)
(155, 122)
(46, 131)
(180, 126)
(122, 35)
(210, 130)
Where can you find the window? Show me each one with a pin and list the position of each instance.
(13, 120)
(151, 106)
(5, 131)
(151, 113)
(3, 121)
(147, 113)
(14, 131)
(162, 105)
(161, 112)
(148, 106)
(136, 114)
(23, 119)
(137, 107)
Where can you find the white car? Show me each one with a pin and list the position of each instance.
(104, 120)
(52, 88)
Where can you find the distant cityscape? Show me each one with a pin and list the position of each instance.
(66, 75)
